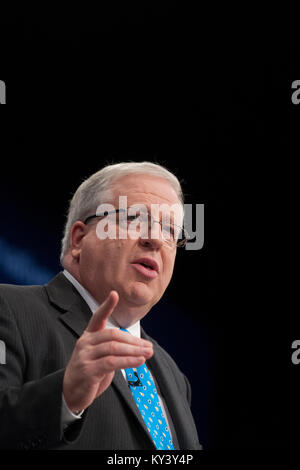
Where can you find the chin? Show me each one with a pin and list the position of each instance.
(140, 294)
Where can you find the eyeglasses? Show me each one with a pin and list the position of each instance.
(172, 234)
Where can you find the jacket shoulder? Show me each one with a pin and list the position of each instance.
(17, 294)
(27, 305)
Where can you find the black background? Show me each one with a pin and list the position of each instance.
(209, 96)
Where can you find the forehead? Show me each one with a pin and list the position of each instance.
(144, 189)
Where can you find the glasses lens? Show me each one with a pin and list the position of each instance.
(174, 235)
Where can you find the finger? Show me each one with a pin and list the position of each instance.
(113, 363)
(114, 348)
(99, 318)
(115, 334)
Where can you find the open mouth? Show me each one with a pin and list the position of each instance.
(148, 263)
(147, 266)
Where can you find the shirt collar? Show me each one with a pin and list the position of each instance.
(135, 329)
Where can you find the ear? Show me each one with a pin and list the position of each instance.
(77, 235)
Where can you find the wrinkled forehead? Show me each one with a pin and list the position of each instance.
(153, 192)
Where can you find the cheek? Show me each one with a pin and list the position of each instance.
(96, 253)
(106, 255)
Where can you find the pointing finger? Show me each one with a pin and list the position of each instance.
(99, 318)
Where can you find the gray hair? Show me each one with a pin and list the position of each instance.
(92, 192)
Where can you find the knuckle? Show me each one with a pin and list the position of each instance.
(80, 344)
(114, 334)
(113, 347)
(110, 361)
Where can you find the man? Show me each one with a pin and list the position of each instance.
(77, 360)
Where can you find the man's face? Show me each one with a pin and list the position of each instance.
(109, 264)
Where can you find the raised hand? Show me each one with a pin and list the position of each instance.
(98, 353)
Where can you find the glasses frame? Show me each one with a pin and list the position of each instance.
(180, 244)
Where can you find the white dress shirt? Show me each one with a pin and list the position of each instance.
(67, 417)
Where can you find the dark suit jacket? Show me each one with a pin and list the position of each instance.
(40, 325)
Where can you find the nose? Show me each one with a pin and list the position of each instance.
(149, 242)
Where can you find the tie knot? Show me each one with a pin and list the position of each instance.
(124, 329)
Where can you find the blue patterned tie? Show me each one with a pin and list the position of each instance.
(145, 395)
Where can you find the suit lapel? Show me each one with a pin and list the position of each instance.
(177, 407)
(75, 311)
